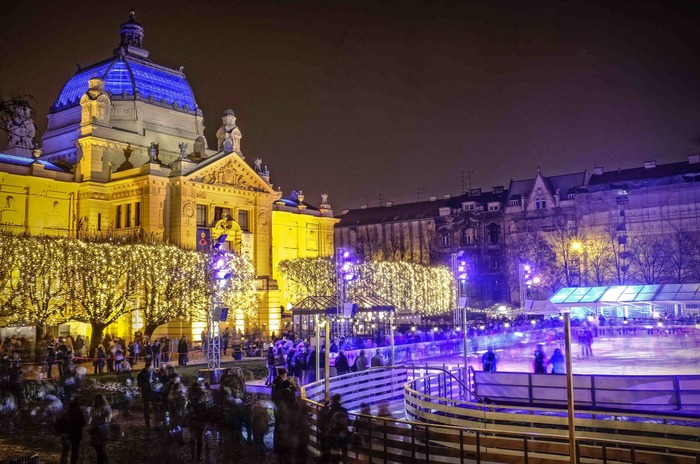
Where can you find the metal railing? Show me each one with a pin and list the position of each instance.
(444, 427)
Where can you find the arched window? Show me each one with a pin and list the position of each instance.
(469, 236)
(444, 238)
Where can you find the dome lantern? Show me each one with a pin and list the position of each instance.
(131, 38)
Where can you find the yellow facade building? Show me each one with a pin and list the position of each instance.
(124, 153)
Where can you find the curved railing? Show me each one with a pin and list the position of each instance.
(445, 423)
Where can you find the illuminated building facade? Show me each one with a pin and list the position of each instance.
(124, 154)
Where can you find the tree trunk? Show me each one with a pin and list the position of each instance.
(149, 329)
(95, 337)
(38, 337)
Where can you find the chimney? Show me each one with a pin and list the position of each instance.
(475, 192)
(433, 198)
(446, 196)
(345, 211)
(364, 206)
(650, 164)
(693, 159)
(389, 204)
(598, 170)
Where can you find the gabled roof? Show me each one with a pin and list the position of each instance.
(26, 162)
(565, 183)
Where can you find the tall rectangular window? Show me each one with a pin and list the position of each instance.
(118, 218)
(201, 215)
(137, 214)
(243, 220)
(128, 215)
(99, 221)
(221, 213)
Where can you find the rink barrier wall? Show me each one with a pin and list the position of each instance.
(442, 427)
(657, 393)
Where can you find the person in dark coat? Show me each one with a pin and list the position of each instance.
(70, 427)
(100, 357)
(540, 361)
(100, 418)
(145, 380)
(15, 382)
(489, 360)
(50, 360)
(341, 363)
(182, 350)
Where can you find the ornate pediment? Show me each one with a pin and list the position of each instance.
(230, 172)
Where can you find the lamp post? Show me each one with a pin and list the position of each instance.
(569, 386)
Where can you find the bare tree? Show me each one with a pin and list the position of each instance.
(647, 260)
(678, 250)
(599, 261)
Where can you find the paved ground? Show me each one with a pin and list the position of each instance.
(627, 355)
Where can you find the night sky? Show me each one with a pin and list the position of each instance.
(399, 98)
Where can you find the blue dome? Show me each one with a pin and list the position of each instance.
(133, 78)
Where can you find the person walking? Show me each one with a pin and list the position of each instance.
(182, 351)
(489, 360)
(100, 420)
(70, 427)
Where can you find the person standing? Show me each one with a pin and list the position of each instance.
(100, 419)
(70, 426)
(14, 384)
(540, 360)
(182, 351)
(224, 340)
(361, 362)
(377, 360)
(341, 363)
(50, 360)
(155, 353)
(489, 360)
(270, 363)
(145, 380)
(99, 361)
(557, 361)
(78, 347)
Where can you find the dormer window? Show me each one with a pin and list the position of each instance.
(469, 206)
(513, 202)
(445, 211)
(572, 196)
(540, 203)
(493, 206)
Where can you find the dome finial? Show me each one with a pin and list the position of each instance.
(131, 34)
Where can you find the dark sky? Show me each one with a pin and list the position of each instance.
(398, 98)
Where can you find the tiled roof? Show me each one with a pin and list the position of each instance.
(413, 211)
(642, 173)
